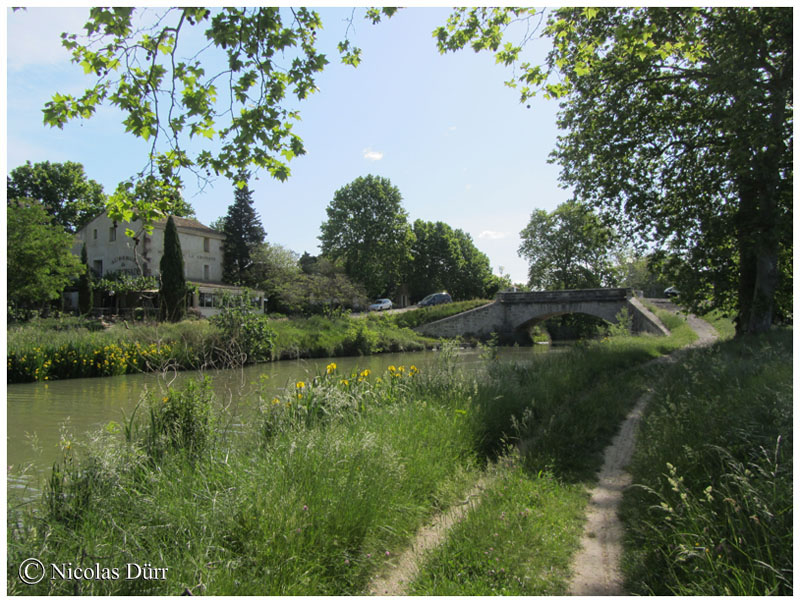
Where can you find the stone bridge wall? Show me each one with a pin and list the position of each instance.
(513, 311)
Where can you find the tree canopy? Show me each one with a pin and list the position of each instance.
(39, 260)
(447, 260)
(367, 230)
(678, 126)
(568, 248)
(233, 88)
(63, 189)
(243, 235)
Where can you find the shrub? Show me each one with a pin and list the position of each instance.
(246, 335)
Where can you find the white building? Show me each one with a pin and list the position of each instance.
(109, 250)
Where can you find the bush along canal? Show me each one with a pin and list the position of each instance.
(67, 348)
(330, 482)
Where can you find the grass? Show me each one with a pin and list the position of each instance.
(331, 479)
(420, 316)
(518, 541)
(712, 512)
(320, 337)
(45, 350)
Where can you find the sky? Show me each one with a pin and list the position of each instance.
(444, 129)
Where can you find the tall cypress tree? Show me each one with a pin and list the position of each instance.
(243, 232)
(173, 282)
(85, 297)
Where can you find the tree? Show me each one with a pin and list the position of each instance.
(39, 262)
(85, 294)
(266, 56)
(679, 127)
(568, 248)
(173, 282)
(447, 260)
(274, 267)
(367, 230)
(63, 190)
(148, 198)
(638, 271)
(243, 234)
(474, 278)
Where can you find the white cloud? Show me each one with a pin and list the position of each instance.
(372, 155)
(492, 235)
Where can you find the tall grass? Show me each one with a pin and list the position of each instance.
(712, 510)
(320, 337)
(518, 541)
(42, 353)
(46, 350)
(312, 507)
(316, 491)
(419, 316)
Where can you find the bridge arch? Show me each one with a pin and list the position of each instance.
(540, 318)
(513, 311)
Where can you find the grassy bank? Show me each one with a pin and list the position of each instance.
(70, 347)
(712, 510)
(328, 482)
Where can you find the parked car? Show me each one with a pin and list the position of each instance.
(671, 292)
(435, 299)
(381, 304)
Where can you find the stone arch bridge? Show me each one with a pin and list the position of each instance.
(511, 313)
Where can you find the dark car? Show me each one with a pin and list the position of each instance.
(671, 292)
(435, 299)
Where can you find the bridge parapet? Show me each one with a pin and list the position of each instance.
(565, 296)
(513, 311)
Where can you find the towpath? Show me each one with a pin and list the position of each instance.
(596, 567)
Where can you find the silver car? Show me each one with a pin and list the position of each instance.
(381, 304)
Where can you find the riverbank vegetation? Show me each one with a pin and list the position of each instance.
(332, 479)
(712, 510)
(72, 347)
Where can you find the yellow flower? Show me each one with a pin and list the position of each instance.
(391, 368)
(276, 401)
(331, 367)
(300, 385)
(345, 382)
(365, 373)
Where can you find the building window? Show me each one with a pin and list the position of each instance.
(98, 267)
(206, 300)
(95, 234)
(112, 233)
(206, 244)
(206, 271)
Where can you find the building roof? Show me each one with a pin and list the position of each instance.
(189, 224)
(181, 223)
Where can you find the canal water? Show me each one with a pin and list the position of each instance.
(40, 414)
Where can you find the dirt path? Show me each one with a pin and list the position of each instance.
(393, 582)
(596, 567)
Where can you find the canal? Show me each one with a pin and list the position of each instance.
(40, 414)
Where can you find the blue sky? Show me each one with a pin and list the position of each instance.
(444, 129)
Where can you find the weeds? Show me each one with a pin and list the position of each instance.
(712, 510)
(334, 477)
